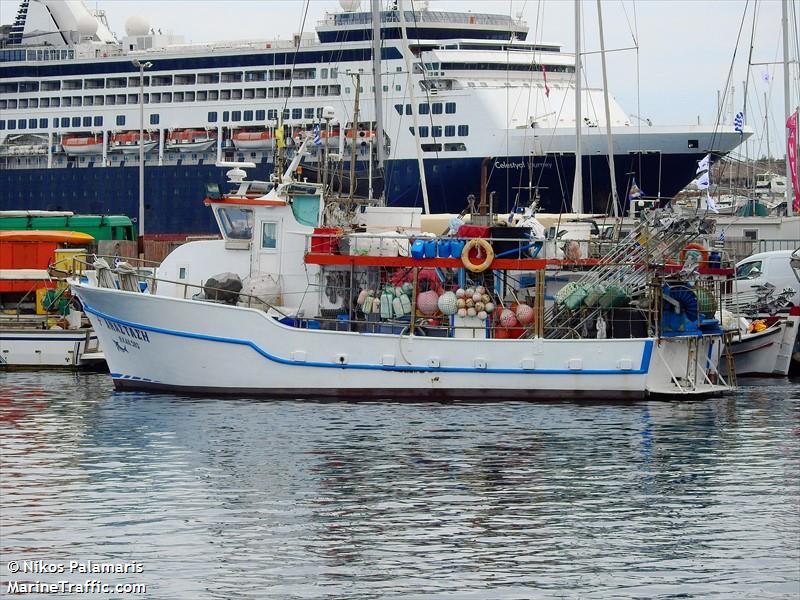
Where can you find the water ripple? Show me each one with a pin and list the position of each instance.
(260, 499)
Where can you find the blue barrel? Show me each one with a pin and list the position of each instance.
(430, 249)
(456, 248)
(418, 249)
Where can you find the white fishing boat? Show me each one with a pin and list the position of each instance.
(454, 322)
(38, 327)
(33, 344)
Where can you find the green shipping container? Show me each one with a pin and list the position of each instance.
(101, 227)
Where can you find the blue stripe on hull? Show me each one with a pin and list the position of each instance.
(642, 370)
(174, 193)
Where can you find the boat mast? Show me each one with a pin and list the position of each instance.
(612, 172)
(577, 186)
(354, 141)
(786, 102)
(378, 80)
(410, 83)
(766, 130)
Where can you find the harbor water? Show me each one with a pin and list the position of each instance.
(221, 498)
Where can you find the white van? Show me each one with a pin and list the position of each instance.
(767, 267)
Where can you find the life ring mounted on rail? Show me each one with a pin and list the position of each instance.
(695, 247)
(483, 247)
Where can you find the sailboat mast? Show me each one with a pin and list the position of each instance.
(413, 97)
(787, 102)
(612, 171)
(378, 80)
(577, 186)
(766, 130)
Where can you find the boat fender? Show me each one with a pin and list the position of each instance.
(366, 306)
(397, 307)
(362, 297)
(483, 248)
(405, 301)
(697, 248)
(386, 306)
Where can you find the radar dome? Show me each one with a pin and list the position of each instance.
(86, 25)
(422, 4)
(350, 5)
(137, 25)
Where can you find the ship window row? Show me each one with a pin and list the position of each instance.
(90, 121)
(97, 83)
(426, 108)
(436, 130)
(166, 97)
(39, 54)
(308, 113)
(502, 66)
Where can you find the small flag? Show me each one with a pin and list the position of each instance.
(703, 164)
(738, 123)
(317, 135)
(765, 76)
(712, 206)
(703, 182)
(544, 76)
(635, 191)
(279, 139)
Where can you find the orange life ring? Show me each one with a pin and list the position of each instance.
(695, 247)
(479, 244)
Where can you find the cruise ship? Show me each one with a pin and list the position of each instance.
(478, 89)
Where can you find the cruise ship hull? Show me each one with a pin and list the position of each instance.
(174, 193)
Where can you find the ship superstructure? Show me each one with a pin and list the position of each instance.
(70, 100)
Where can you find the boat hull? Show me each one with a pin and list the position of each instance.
(45, 348)
(190, 346)
(174, 192)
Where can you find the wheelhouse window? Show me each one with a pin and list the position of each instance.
(269, 235)
(749, 270)
(236, 223)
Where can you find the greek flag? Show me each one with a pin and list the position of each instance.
(738, 123)
(317, 136)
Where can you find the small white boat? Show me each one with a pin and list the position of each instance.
(128, 142)
(32, 347)
(253, 140)
(190, 140)
(80, 145)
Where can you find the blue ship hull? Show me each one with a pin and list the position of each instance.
(174, 193)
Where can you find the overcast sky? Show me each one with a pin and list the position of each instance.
(685, 47)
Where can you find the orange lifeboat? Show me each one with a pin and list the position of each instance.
(191, 140)
(253, 140)
(78, 145)
(128, 142)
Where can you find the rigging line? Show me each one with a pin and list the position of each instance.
(730, 75)
(638, 97)
(725, 165)
(296, 52)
